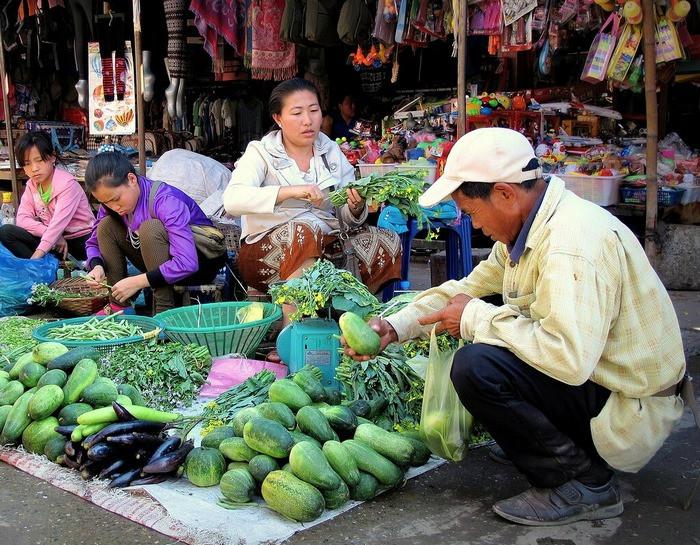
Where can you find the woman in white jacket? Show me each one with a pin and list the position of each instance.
(280, 189)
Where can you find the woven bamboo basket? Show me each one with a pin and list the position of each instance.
(87, 300)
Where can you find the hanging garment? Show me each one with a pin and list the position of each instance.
(225, 18)
(249, 117)
(271, 58)
(81, 11)
(110, 35)
(175, 18)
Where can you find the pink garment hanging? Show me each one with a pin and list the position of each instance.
(271, 59)
(225, 18)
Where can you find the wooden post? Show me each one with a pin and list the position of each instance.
(462, 69)
(650, 235)
(8, 123)
(138, 79)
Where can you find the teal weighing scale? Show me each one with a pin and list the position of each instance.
(313, 341)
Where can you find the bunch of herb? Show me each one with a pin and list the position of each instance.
(252, 391)
(44, 295)
(387, 375)
(421, 347)
(399, 189)
(168, 375)
(17, 333)
(321, 286)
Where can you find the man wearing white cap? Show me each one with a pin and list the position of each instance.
(579, 370)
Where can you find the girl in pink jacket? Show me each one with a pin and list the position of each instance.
(54, 214)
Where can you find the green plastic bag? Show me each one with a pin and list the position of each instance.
(444, 421)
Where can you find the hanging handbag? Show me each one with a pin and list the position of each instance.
(601, 51)
(625, 52)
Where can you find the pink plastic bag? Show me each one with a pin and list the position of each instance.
(227, 372)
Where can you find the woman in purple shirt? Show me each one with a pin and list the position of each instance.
(150, 223)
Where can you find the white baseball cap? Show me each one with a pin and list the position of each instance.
(489, 156)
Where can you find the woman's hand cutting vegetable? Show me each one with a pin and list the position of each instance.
(449, 318)
(125, 288)
(96, 276)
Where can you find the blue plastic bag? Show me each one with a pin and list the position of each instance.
(17, 276)
(393, 219)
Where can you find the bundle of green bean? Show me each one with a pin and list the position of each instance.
(96, 329)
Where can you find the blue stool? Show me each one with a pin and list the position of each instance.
(458, 250)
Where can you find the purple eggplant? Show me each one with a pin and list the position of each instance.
(151, 479)
(101, 452)
(169, 445)
(65, 430)
(71, 448)
(135, 438)
(121, 428)
(169, 462)
(72, 464)
(123, 415)
(112, 470)
(124, 479)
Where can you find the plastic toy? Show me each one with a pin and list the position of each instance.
(632, 11)
(678, 10)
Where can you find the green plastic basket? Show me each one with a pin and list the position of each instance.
(215, 326)
(151, 327)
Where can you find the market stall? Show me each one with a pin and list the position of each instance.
(94, 405)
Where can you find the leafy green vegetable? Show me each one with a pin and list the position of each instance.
(168, 375)
(252, 391)
(43, 295)
(321, 286)
(17, 332)
(400, 189)
(421, 347)
(387, 375)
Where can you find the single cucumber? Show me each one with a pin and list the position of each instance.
(390, 445)
(237, 450)
(54, 376)
(18, 419)
(310, 465)
(83, 375)
(288, 392)
(67, 361)
(358, 335)
(292, 497)
(337, 497)
(107, 414)
(237, 485)
(45, 402)
(342, 462)
(312, 422)
(371, 461)
(268, 437)
(274, 410)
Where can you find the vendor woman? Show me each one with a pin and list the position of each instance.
(280, 189)
(151, 224)
(54, 214)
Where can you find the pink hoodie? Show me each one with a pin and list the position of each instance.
(68, 212)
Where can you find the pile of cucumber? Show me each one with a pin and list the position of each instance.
(53, 402)
(301, 454)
